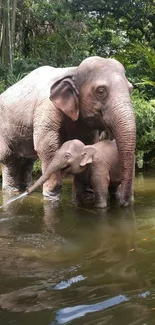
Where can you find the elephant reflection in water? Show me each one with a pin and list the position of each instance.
(33, 225)
(113, 241)
(27, 204)
(42, 216)
(119, 244)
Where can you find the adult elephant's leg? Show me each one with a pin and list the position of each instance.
(16, 173)
(25, 173)
(52, 187)
(10, 174)
(46, 147)
(5, 150)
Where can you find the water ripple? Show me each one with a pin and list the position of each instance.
(68, 283)
(15, 198)
(68, 314)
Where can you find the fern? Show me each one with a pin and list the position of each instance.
(12, 78)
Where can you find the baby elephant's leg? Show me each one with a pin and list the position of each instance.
(113, 192)
(78, 190)
(100, 183)
(52, 187)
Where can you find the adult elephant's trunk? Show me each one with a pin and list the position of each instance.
(124, 131)
(54, 166)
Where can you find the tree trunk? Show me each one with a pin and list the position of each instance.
(9, 34)
(20, 49)
(4, 35)
(13, 24)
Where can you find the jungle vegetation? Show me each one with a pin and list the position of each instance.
(64, 32)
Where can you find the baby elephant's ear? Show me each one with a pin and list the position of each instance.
(88, 153)
(65, 96)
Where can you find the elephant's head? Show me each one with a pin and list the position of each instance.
(72, 157)
(99, 93)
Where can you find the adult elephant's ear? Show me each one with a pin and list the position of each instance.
(65, 96)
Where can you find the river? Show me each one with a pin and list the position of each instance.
(79, 266)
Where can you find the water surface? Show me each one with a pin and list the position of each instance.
(67, 265)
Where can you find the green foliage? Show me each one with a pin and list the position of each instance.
(145, 121)
(139, 60)
(36, 167)
(9, 79)
(12, 78)
(2, 86)
(64, 32)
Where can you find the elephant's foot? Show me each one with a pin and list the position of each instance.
(126, 203)
(52, 191)
(88, 195)
(52, 196)
(77, 199)
(100, 205)
(15, 189)
(123, 201)
(11, 189)
(100, 201)
(77, 202)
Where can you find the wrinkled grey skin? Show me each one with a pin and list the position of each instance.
(102, 176)
(95, 95)
(102, 93)
(31, 125)
(66, 160)
(97, 167)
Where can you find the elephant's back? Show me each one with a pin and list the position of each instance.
(106, 148)
(33, 89)
(27, 87)
(17, 105)
(107, 154)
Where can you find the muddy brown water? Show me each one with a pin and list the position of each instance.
(67, 265)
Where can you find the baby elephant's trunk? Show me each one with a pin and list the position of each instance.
(52, 168)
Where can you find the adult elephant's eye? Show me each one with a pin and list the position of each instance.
(101, 92)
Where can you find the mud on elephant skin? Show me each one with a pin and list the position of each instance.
(93, 96)
(95, 166)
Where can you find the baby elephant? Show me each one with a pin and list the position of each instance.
(103, 175)
(95, 166)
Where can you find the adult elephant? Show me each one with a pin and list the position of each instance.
(100, 93)
(94, 95)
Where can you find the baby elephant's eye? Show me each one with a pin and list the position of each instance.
(101, 91)
(67, 155)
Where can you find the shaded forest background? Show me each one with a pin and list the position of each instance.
(63, 32)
